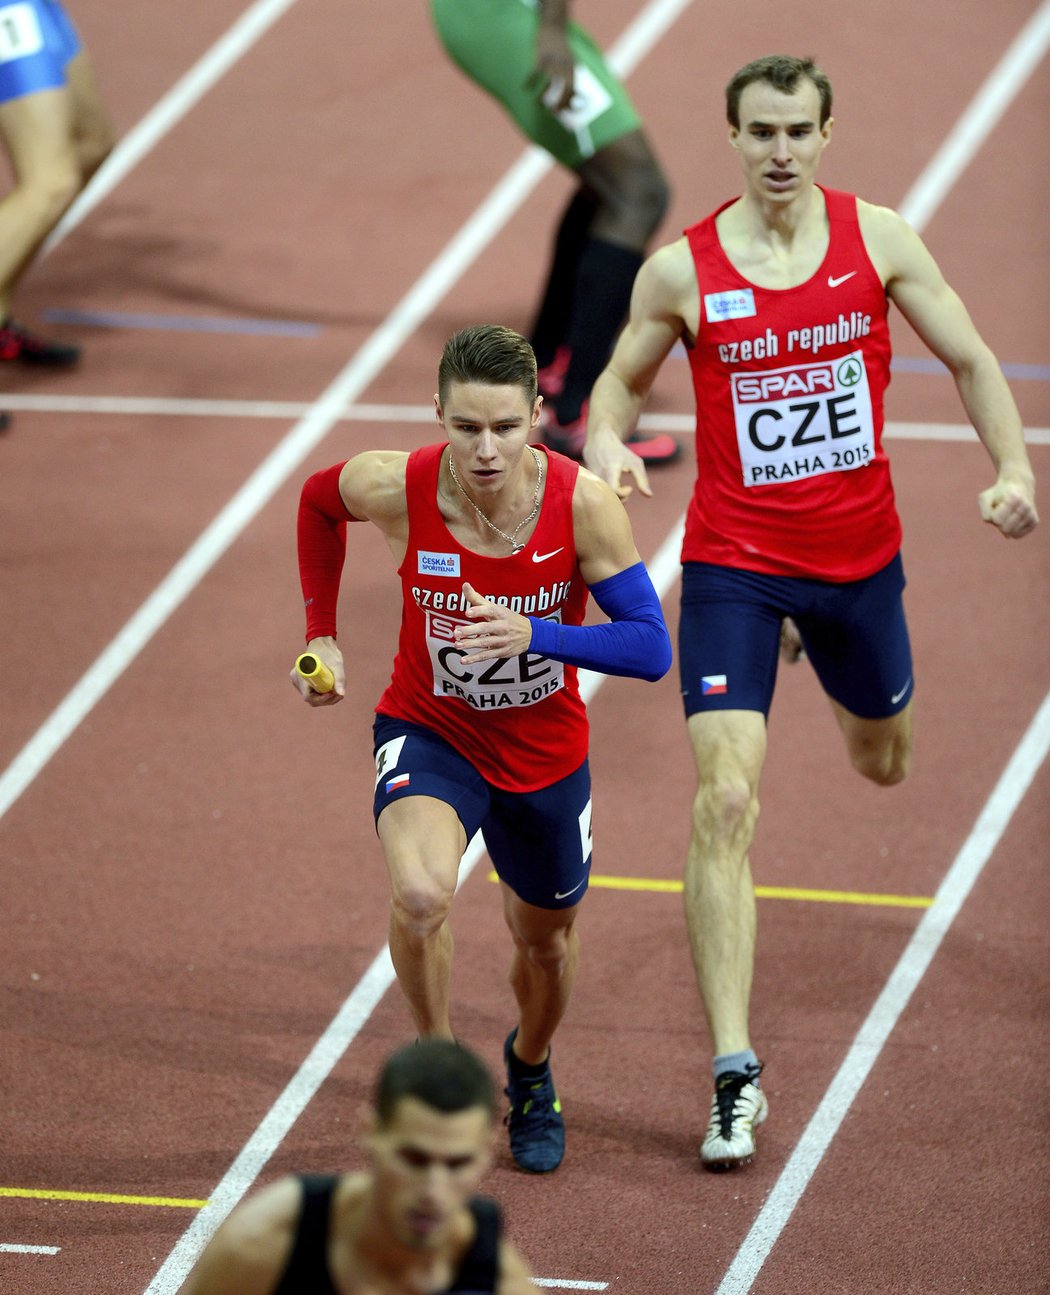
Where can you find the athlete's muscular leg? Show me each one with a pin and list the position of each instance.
(423, 842)
(880, 749)
(543, 971)
(37, 131)
(630, 191)
(729, 748)
(93, 133)
(629, 196)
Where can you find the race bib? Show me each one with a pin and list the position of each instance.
(589, 99)
(490, 685)
(803, 421)
(20, 33)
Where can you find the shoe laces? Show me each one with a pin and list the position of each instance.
(728, 1088)
(535, 1098)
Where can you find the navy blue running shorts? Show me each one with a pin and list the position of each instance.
(854, 633)
(539, 841)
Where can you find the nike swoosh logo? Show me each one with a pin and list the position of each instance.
(564, 894)
(898, 695)
(834, 283)
(542, 557)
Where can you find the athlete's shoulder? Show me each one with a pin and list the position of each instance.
(514, 1277)
(893, 245)
(666, 281)
(373, 484)
(879, 222)
(251, 1248)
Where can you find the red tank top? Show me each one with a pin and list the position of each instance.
(520, 720)
(792, 478)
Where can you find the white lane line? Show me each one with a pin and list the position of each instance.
(325, 1054)
(282, 410)
(341, 1032)
(8, 1249)
(973, 127)
(370, 990)
(631, 48)
(169, 111)
(919, 205)
(871, 1037)
(376, 352)
(567, 1284)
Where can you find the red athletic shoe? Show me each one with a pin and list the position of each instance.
(18, 343)
(568, 439)
(551, 378)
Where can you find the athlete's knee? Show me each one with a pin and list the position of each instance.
(547, 950)
(725, 808)
(632, 195)
(882, 753)
(51, 188)
(420, 906)
(886, 763)
(646, 195)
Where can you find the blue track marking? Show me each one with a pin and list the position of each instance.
(183, 323)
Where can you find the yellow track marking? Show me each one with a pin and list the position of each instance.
(102, 1198)
(765, 892)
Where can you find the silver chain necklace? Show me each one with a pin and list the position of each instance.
(510, 539)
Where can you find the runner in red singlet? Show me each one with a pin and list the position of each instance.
(780, 297)
(482, 728)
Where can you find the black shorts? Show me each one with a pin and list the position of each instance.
(854, 633)
(539, 841)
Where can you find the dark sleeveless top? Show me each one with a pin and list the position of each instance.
(307, 1269)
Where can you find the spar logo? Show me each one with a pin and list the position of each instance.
(804, 421)
(761, 388)
(849, 372)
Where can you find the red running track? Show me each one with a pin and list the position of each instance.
(191, 883)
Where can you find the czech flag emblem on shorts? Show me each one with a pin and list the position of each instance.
(712, 684)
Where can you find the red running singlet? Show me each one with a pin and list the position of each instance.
(519, 720)
(792, 479)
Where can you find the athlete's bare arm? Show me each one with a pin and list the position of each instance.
(552, 78)
(915, 284)
(372, 485)
(664, 306)
(372, 488)
(249, 1252)
(604, 543)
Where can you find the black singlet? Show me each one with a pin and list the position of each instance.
(307, 1270)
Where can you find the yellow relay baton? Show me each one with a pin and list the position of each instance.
(315, 672)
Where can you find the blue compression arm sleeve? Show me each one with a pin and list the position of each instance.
(634, 641)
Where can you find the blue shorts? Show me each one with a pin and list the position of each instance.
(37, 40)
(539, 841)
(854, 633)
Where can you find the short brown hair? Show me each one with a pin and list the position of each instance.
(490, 354)
(783, 73)
(437, 1072)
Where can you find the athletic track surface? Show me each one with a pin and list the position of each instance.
(195, 990)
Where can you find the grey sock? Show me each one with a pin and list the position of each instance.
(738, 1061)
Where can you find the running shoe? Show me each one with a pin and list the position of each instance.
(18, 343)
(568, 439)
(550, 379)
(738, 1107)
(537, 1130)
